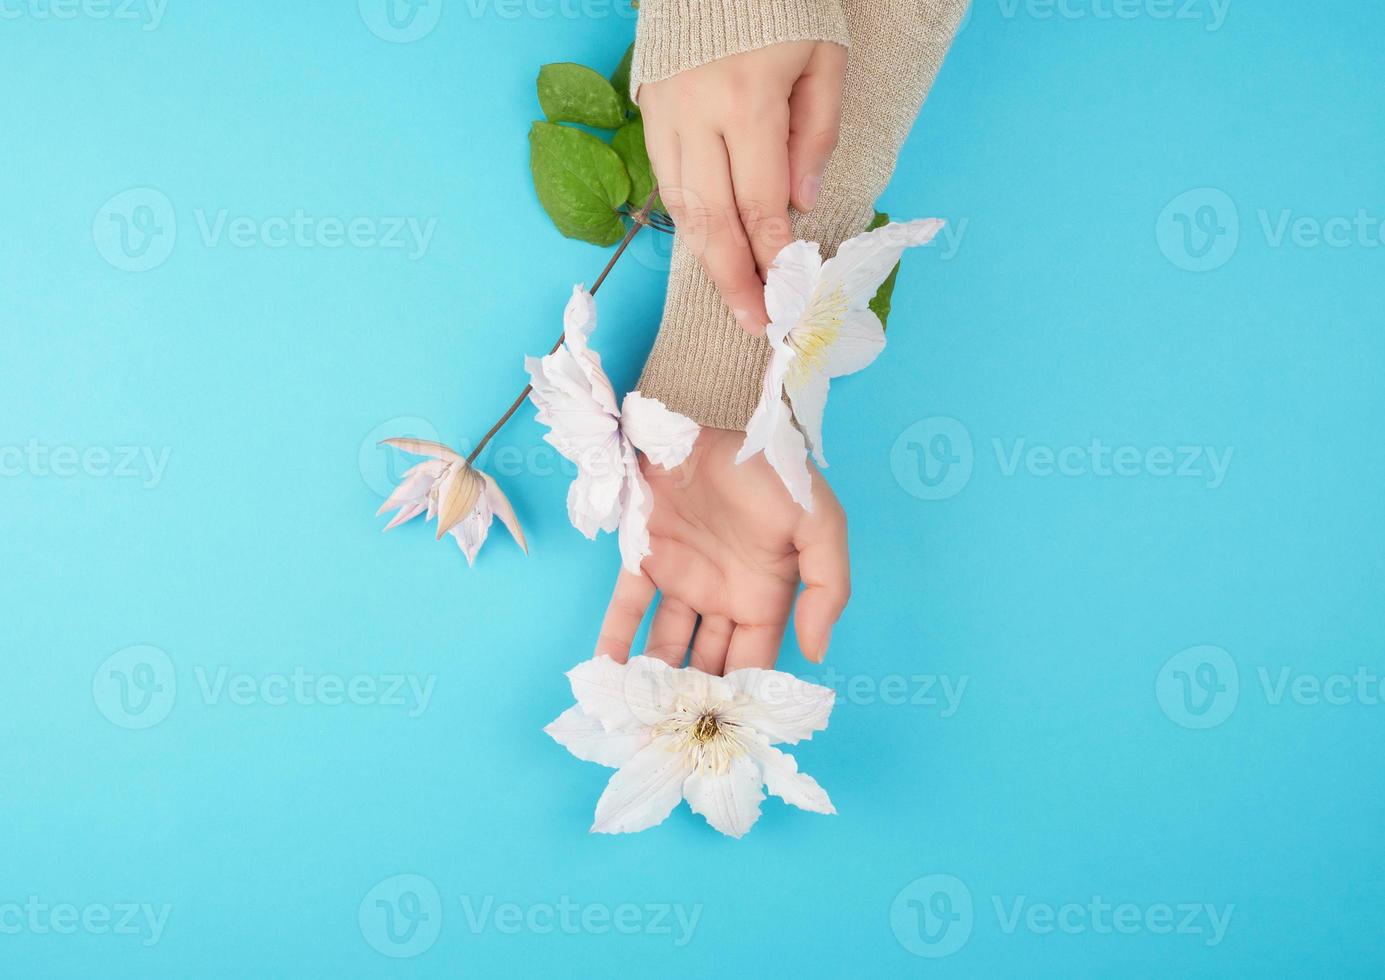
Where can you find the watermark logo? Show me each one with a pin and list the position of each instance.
(1199, 230)
(401, 21)
(401, 917)
(932, 916)
(135, 687)
(135, 231)
(933, 458)
(1198, 687)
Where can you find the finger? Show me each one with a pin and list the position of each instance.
(661, 143)
(710, 644)
(824, 564)
(671, 631)
(815, 112)
(754, 646)
(704, 209)
(629, 601)
(760, 178)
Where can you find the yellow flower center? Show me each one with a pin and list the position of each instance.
(818, 331)
(705, 729)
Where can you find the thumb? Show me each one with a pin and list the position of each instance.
(824, 564)
(815, 114)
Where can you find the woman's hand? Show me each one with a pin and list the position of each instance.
(733, 144)
(730, 546)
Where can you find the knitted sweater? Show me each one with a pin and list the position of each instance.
(703, 364)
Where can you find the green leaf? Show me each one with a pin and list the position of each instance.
(620, 81)
(581, 182)
(576, 94)
(629, 143)
(880, 303)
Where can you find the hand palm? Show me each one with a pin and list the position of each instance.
(728, 550)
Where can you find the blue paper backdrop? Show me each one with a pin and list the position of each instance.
(1109, 686)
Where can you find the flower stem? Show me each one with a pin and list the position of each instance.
(641, 218)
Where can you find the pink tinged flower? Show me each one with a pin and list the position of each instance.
(679, 734)
(821, 327)
(446, 487)
(576, 401)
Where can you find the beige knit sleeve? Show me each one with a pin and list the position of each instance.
(703, 364)
(674, 35)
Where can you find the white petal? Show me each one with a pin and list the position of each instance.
(471, 530)
(863, 263)
(414, 485)
(729, 800)
(407, 513)
(586, 738)
(760, 429)
(580, 413)
(594, 502)
(783, 779)
(779, 705)
(859, 342)
(637, 503)
(809, 399)
(644, 791)
(791, 280)
(656, 430)
(579, 317)
(623, 696)
(788, 456)
(423, 447)
(501, 507)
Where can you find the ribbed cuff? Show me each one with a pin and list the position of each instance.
(675, 35)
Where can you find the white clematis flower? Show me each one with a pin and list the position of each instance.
(821, 327)
(675, 734)
(575, 400)
(462, 498)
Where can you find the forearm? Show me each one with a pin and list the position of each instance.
(703, 364)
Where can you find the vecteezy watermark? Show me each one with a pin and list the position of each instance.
(148, 14)
(1200, 230)
(299, 686)
(933, 459)
(36, 917)
(35, 459)
(934, 916)
(136, 688)
(1200, 687)
(572, 918)
(932, 691)
(402, 917)
(400, 21)
(383, 467)
(136, 230)
(1211, 14)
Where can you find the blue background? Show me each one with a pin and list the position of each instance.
(1071, 768)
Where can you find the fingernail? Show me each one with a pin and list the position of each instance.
(742, 316)
(809, 192)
